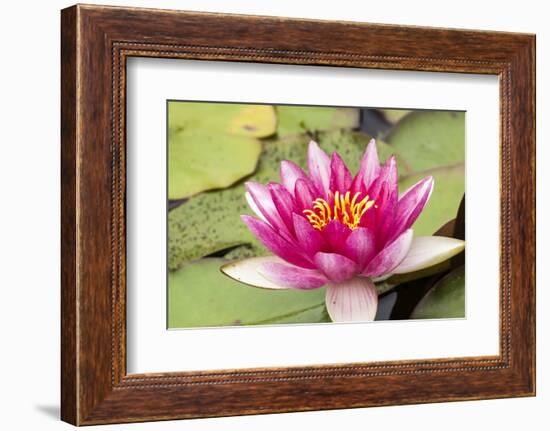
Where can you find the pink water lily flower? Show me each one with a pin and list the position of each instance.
(328, 228)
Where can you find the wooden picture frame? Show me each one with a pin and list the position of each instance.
(96, 41)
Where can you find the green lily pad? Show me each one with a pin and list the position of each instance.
(201, 160)
(430, 139)
(200, 295)
(213, 145)
(255, 121)
(444, 201)
(315, 314)
(446, 299)
(300, 119)
(210, 222)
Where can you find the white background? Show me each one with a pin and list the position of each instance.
(151, 348)
(29, 228)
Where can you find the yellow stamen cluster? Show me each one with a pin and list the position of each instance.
(346, 210)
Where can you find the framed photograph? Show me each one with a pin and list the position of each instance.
(264, 215)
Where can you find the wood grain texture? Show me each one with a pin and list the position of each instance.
(68, 217)
(96, 41)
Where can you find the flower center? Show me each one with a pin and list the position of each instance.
(346, 210)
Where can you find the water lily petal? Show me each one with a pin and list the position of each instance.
(276, 243)
(380, 217)
(284, 202)
(246, 271)
(319, 167)
(308, 237)
(411, 203)
(426, 251)
(292, 276)
(335, 234)
(355, 300)
(387, 208)
(340, 176)
(290, 173)
(391, 256)
(388, 176)
(304, 193)
(336, 267)
(384, 191)
(368, 169)
(360, 246)
(261, 196)
(254, 207)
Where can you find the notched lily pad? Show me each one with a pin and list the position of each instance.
(200, 295)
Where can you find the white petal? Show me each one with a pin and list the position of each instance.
(246, 271)
(426, 251)
(354, 300)
(254, 207)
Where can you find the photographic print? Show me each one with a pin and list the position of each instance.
(229, 195)
(285, 214)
